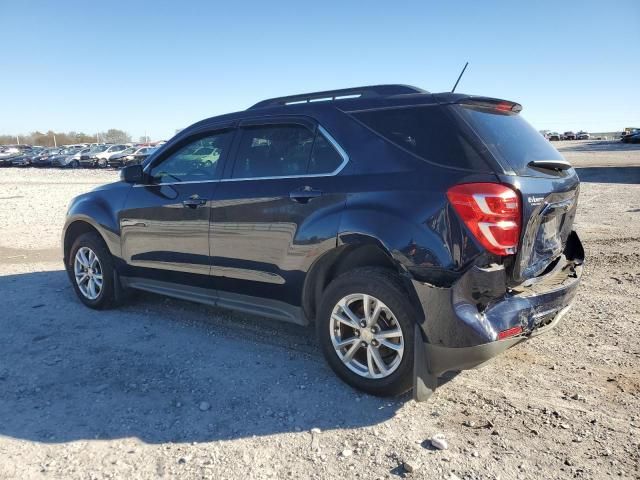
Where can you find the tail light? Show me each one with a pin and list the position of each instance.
(492, 212)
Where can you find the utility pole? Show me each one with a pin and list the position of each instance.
(55, 144)
(18, 139)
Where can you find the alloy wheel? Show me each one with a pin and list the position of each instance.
(88, 273)
(366, 336)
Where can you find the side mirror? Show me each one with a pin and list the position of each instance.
(132, 174)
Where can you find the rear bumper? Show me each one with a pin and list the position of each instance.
(462, 324)
(117, 163)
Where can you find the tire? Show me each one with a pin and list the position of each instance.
(106, 296)
(75, 164)
(384, 286)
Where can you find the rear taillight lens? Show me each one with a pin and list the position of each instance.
(492, 212)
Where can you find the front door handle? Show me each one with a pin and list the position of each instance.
(304, 194)
(194, 202)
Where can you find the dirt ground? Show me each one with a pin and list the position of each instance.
(162, 388)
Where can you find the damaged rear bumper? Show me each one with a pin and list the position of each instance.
(462, 325)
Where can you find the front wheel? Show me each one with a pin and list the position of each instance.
(90, 269)
(365, 327)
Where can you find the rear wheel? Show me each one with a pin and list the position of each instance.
(90, 268)
(75, 164)
(365, 329)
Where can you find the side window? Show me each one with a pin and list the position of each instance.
(429, 132)
(273, 151)
(197, 160)
(324, 157)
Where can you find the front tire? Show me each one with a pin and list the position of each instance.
(365, 328)
(91, 271)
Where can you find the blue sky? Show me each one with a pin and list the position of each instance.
(159, 66)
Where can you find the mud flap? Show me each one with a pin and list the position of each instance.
(424, 382)
(121, 294)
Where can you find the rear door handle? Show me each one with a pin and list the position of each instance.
(194, 202)
(304, 194)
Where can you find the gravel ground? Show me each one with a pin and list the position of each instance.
(162, 388)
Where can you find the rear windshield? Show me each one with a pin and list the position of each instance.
(509, 137)
(429, 132)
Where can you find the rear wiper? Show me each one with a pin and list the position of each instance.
(550, 164)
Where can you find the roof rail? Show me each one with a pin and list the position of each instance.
(342, 94)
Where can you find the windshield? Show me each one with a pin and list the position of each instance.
(99, 148)
(510, 138)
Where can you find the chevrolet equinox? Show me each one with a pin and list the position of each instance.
(421, 233)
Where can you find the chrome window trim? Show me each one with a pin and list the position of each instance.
(174, 183)
(323, 131)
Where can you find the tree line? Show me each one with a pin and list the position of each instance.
(51, 138)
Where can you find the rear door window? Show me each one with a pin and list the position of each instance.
(509, 137)
(429, 132)
(273, 151)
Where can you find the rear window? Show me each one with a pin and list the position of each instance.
(429, 132)
(509, 137)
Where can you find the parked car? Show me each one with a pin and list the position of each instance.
(130, 156)
(74, 160)
(9, 152)
(568, 136)
(554, 137)
(141, 155)
(631, 138)
(26, 158)
(628, 134)
(102, 158)
(118, 160)
(43, 159)
(420, 232)
(89, 159)
(64, 158)
(582, 135)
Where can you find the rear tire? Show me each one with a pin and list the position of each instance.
(84, 272)
(376, 342)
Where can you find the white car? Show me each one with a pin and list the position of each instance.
(9, 152)
(74, 160)
(103, 157)
(582, 135)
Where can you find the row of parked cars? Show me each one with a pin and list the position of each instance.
(555, 136)
(76, 156)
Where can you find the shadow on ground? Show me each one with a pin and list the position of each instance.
(69, 373)
(629, 175)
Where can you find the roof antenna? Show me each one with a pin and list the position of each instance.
(461, 73)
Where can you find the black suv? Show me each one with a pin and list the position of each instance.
(421, 233)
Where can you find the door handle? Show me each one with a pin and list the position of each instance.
(304, 194)
(194, 202)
